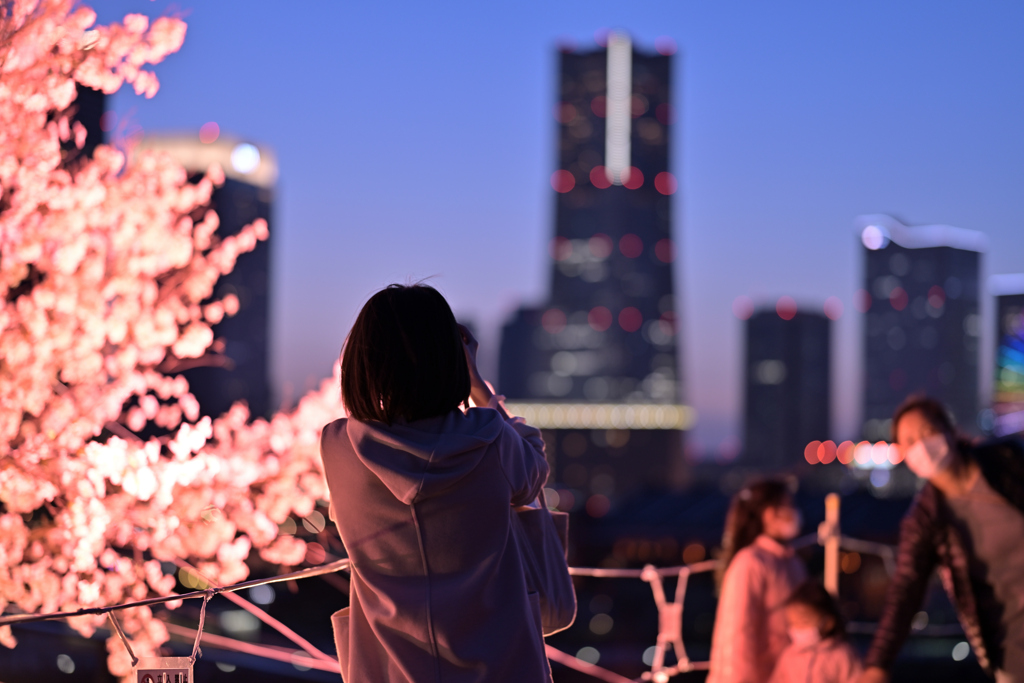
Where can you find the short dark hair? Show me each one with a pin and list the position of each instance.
(404, 358)
(932, 410)
(813, 595)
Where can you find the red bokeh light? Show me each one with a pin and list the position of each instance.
(107, 121)
(811, 452)
(833, 308)
(636, 179)
(563, 181)
(665, 45)
(665, 114)
(600, 246)
(600, 318)
(936, 297)
(209, 132)
(827, 452)
(895, 454)
(786, 307)
(564, 112)
(630, 319)
(599, 105)
(665, 250)
(566, 501)
(742, 307)
(898, 298)
(560, 248)
(315, 553)
(666, 183)
(598, 505)
(862, 300)
(631, 246)
(553, 320)
(638, 106)
(599, 178)
(845, 452)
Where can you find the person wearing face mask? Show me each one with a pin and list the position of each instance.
(967, 521)
(818, 651)
(758, 571)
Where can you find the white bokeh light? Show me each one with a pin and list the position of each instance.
(245, 158)
(874, 237)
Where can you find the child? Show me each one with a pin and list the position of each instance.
(818, 651)
(758, 573)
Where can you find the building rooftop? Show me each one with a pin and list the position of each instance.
(248, 162)
(877, 230)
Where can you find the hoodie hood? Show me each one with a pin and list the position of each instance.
(421, 459)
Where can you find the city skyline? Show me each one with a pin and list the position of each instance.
(785, 137)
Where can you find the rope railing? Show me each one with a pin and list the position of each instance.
(670, 613)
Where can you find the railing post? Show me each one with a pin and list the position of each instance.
(828, 536)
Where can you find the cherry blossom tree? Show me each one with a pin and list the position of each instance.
(107, 266)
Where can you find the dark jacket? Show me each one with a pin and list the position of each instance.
(929, 540)
(424, 508)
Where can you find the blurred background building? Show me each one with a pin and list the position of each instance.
(787, 398)
(921, 324)
(241, 342)
(1007, 415)
(597, 364)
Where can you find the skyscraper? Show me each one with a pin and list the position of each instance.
(787, 386)
(247, 194)
(1008, 384)
(598, 360)
(921, 327)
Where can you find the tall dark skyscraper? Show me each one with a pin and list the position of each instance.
(247, 194)
(597, 363)
(787, 386)
(1008, 383)
(921, 327)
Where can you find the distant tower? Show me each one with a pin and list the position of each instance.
(921, 327)
(1008, 385)
(787, 386)
(598, 362)
(247, 194)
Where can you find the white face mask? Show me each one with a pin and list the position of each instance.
(804, 636)
(929, 456)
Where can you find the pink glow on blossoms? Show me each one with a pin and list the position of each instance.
(665, 183)
(631, 246)
(742, 307)
(599, 178)
(600, 318)
(209, 132)
(562, 181)
(105, 286)
(833, 308)
(786, 307)
(635, 180)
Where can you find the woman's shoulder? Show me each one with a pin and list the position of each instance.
(333, 433)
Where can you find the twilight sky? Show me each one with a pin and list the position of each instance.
(417, 139)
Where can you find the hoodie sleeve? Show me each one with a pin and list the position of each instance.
(521, 451)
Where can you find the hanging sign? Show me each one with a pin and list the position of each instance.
(164, 670)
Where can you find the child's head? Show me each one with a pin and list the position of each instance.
(765, 507)
(812, 614)
(404, 358)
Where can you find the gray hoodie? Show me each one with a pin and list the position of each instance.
(424, 509)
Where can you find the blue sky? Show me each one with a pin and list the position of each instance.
(417, 139)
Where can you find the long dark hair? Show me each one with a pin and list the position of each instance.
(404, 357)
(743, 523)
(938, 416)
(813, 595)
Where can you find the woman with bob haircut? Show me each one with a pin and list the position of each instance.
(967, 522)
(422, 493)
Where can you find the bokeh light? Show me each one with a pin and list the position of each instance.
(833, 308)
(694, 553)
(245, 158)
(895, 454)
(553, 321)
(880, 453)
(844, 453)
(827, 452)
(598, 505)
(898, 298)
(599, 318)
(562, 181)
(742, 307)
(665, 45)
(665, 250)
(874, 237)
(599, 105)
(630, 319)
(631, 246)
(936, 297)
(635, 180)
(811, 452)
(862, 300)
(862, 453)
(666, 183)
(209, 132)
(315, 553)
(599, 178)
(560, 248)
(600, 246)
(786, 307)
(565, 112)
